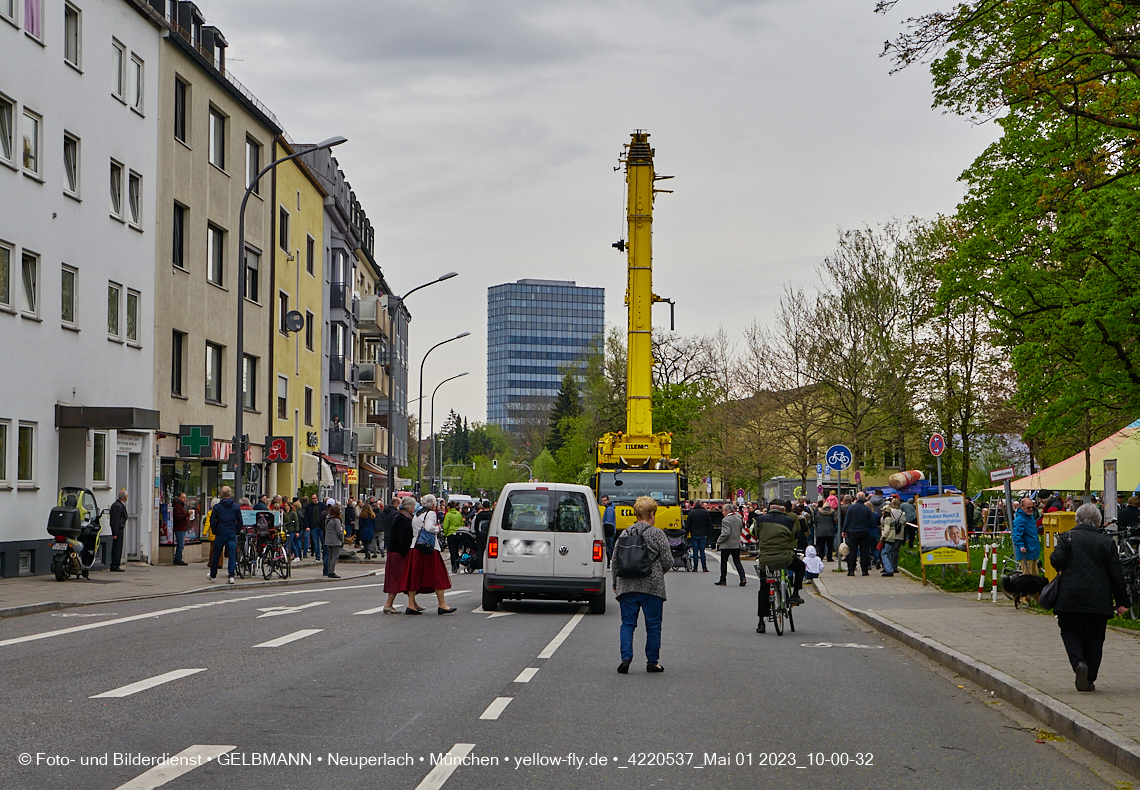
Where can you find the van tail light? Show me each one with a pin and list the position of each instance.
(599, 551)
(493, 548)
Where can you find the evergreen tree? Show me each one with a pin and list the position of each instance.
(568, 404)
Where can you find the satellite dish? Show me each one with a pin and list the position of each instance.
(294, 321)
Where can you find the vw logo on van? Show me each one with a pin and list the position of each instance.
(563, 550)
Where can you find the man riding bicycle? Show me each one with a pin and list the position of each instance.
(776, 545)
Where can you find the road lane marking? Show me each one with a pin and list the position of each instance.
(500, 614)
(841, 644)
(274, 611)
(440, 774)
(149, 683)
(85, 614)
(75, 629)
(497, 706)
(557, 641)
(371, 611)
(293, 637)
(183, 762)
(527, 675)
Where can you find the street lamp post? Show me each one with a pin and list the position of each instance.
(433, 392)
(392, 310)
(239, 405)
(420, 419)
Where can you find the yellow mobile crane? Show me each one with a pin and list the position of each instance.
(637, 462)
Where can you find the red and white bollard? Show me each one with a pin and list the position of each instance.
(986, 550)
(994, 572)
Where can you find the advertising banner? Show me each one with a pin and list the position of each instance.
(942, 530)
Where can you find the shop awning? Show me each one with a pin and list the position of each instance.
(339, 466)
(1069, 475)
(375, 471)
(118, 418)
(309, 470)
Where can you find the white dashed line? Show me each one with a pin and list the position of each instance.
(440, 774)
(497, 706)
(275, 611)
(500, 614)
(183, 762)
(527, 675)
(377, 610)
(149, 683)
(557, 641)
(293, 637)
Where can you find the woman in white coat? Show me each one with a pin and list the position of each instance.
(426, 571)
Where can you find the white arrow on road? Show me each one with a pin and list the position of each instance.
(274, 611)
(840, 644)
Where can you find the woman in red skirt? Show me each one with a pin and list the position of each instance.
(426, 571)
(399, 549)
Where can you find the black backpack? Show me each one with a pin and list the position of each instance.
(631, 556)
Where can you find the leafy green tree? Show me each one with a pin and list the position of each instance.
(566, 405)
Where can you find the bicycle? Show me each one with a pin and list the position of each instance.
(779, 605)
(246, 558)
(1128, 552)
(274, 558)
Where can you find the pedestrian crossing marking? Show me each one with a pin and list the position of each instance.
(149, 683)
(293, 637)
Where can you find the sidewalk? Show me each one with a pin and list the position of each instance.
(1014, 653)
(30, 594)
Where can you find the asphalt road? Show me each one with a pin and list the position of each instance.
(393, 689)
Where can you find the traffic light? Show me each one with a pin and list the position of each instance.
(495, 464)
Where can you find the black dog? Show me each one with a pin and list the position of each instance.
(1020, 585)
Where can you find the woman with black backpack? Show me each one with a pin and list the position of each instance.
(641, 559)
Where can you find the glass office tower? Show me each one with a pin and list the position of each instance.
(536, 331)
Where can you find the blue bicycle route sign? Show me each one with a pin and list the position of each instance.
(839, 456)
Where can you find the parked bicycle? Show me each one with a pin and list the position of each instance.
(274, 557)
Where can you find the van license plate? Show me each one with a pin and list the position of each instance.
(526, 548)
(59, 547)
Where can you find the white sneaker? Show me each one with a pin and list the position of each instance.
(231, 580)
(296, 560)
(211, 578)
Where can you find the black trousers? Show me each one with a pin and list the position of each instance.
(1083, 635)
(724, 555)
(117, 547)
(797, 568)
(909, 534)
(825, 544)
(859, 543)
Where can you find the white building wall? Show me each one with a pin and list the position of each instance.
(44, 360)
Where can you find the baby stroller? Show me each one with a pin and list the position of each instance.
(682, 556)
(462, 545)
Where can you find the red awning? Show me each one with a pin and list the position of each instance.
(337, 466)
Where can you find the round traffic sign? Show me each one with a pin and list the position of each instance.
(937, 445)
(839, 456)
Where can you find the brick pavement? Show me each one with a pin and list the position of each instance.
(1025, 645)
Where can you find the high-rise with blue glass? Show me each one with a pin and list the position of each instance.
(537, 330)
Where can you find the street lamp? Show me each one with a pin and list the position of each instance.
(420, 419)
(433, 392)
(239, 405)
(392, 308)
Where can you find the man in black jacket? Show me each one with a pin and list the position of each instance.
(1129, 514)
(118, 516)
(857, 525)
(387, 522)
(312, 521)
(698, 524)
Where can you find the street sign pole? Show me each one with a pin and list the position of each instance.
(1008, 505)
(939, 459)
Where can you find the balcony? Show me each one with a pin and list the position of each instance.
(367, 437)
(371, 378)
(371, 316)
(340, 296)
(340, 369)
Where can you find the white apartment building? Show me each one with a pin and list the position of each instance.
(78, 160)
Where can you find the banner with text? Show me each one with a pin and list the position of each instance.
(942, 530)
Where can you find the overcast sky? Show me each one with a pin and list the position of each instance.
(483, 136)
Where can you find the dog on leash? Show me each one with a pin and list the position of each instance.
(1022, 585)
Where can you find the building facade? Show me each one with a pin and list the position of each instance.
(537, 330)
(213, 136)
(79, 109)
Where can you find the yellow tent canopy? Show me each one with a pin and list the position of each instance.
(1069, 475)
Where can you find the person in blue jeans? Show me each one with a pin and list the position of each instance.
(225, 520)
(646, 594)
(697, 524)
(609, 527)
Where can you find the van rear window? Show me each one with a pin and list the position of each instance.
(547, 511)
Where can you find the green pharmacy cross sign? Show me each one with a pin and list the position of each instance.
(195, 441)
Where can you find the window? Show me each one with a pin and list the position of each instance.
(213, 373)
(31, 142)
(34, 18)
(309, 320)
(282, 397)
(177, 361)
(283, 310)
(99, 457)
(249, 382)
(26, 454)
(136, 83)
(133, 317)
(8, 11)
(3, 452)
(134, 197)
(180, 125)
(178, 226)
(119, 67)
(6, 134)
(30, 277)
(217, 139)
(310, 254)
(308, 408)
(71, 34)
(283, 230)
(114, 298)
(67, 295)
(252, 264)
(5, 275)
(71, 164)
(252, 165)
(116, 189)
(215, 254)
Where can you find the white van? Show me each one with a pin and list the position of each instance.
(546, 541)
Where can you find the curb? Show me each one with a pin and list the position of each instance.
(50, 606)
(1101, 740)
